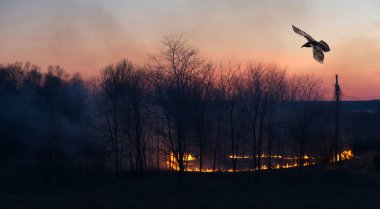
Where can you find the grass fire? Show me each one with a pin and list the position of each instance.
(189, 104)
(279, 162)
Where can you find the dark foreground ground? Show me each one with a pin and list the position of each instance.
(313, 188)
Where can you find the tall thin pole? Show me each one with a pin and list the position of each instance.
(337, 156)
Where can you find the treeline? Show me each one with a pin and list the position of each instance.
(147, 118)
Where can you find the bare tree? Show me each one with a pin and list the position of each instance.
(253, 108)
(304, 91)
(122, 89)
(230, 85)
(200, 101)
(179, 66)
(276, 87)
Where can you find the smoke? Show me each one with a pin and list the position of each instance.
(81, 35)
(86, 35)
(229, 28)
(32, 114)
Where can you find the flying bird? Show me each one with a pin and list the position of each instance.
(318, 46)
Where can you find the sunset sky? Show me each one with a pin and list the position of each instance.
(85, 35)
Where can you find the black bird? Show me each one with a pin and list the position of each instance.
(318, 47)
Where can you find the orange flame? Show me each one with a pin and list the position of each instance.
(309, 160)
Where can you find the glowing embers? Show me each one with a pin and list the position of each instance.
(267, 156)
(346, 155)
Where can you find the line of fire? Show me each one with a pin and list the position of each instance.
(270, 162)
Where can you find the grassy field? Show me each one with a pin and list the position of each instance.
(312, 188)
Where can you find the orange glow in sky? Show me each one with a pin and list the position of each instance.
(84, 36)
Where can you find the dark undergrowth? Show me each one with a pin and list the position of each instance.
(335, 187)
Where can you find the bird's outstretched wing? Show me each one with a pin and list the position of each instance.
(302, 33)
(318, 54)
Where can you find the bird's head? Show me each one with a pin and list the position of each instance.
(306, 45)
